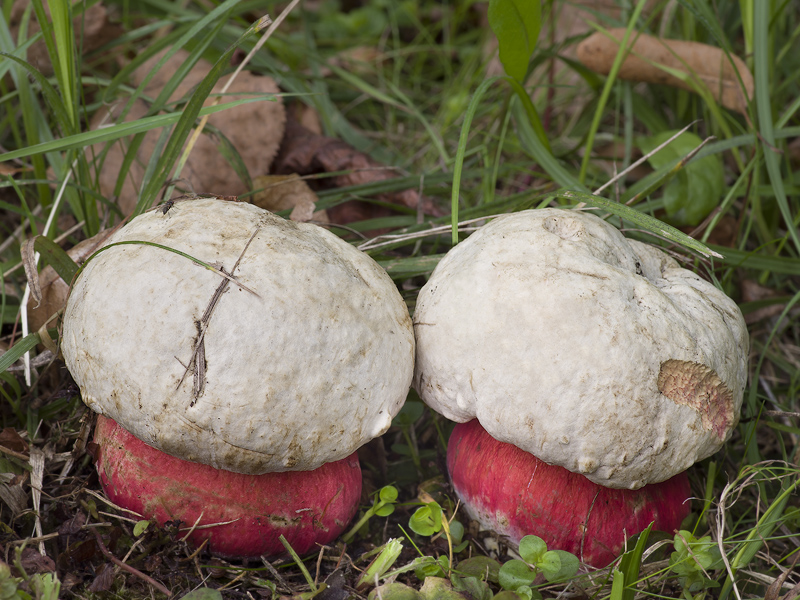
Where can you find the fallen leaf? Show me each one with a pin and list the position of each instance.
(13, 493)
(54, 290)
(6, 169)
(9, 438)
(753, 292)
(255, 130)
(103, 581)
(304, 152)
(33, 562)
(282, 192)
(92, 28)
(672, 62)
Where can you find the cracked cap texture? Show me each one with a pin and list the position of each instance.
(302, 372)
(588, 350)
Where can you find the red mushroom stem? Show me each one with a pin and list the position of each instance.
(515, 494)
(307, 507)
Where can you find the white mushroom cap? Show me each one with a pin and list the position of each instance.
(588, 350)
(301, 372)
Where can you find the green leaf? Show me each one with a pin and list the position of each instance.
(140, 527)
(642, 220)
(427, 566)
(567, 568)
(409, 414)
(618, 585)
(516, 23)
(456, 532)
(427, 519)
(9, 357)
(55, 256)
(549, 564)
(388, 493)
(632, 561)
(697, 188)
(474, 588)
(382, 563)
(515, 574)
(385, 510)
(532, 549)
(480, 566)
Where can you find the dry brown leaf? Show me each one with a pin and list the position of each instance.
(358, 60)
(54, 290)
(9, 438)
(752, 292)
(305, 153)
(8, 169)
(33, 562)
(254, 129)
(307, 116)
(93, 29)
(14, 493)
(282, 192)
(703, 64)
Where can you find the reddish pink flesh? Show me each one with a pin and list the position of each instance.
(516, 494)
(307, 507)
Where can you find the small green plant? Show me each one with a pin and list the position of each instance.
(429, 519)
(692, 561)
(382, 506)
(387, 556)
(555, 565)
(44, 586)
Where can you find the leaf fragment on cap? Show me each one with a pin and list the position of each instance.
(698, 386)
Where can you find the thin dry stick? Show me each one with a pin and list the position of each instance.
(402, 237)
(125, 567)
(274, 572)
(197, 363)
(37, 481)
(622, 174)
(14, 453)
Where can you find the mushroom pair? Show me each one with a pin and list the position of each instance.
(587, 372)
(238, 361)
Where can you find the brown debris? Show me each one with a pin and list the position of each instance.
(752, 292)
(706, 65)
(92, 28)
(54, 289)
(304, 152)
(282, 192)
(254, 129)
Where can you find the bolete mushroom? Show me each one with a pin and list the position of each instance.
(591, 352)
(288, 352)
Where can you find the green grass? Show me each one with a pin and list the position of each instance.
(427, 107)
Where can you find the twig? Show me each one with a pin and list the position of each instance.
(14, 453)
(622, 174)
(197, 363)
(125, 567)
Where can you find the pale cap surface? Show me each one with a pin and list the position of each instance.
(588, 350)
(303, 374)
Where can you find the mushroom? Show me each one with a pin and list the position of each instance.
(223, 384)
(591, 352)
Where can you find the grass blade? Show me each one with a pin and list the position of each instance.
(641, 220)
(764, 110)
